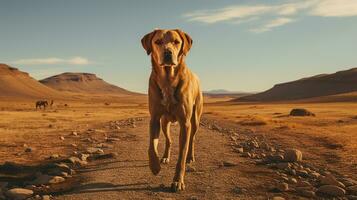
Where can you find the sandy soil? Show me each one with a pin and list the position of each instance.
(327, 142)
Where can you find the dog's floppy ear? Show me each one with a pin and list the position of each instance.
(186, 40)
(146, 42)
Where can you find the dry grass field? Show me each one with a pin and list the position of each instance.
(328, 142)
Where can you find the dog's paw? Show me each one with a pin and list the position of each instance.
(190, 160)
(165, 160)
(177, 186)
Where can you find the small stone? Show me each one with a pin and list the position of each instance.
(28, 149)
(61, 138)
(307, 193)
(315, 174)
(54, 156)
(351, 197)
(84, 156)
(43, 179)
(74, 133)
(246, 154)
(278, 198)
(329, 179)
(292, 155)
(348, 182)
(301, 112)
(240, 149)
(19, 193)
(283, 166)
(276, 158)
(112, 139)
(331, 190)
(46, 197)
(94, 150)
(282, 187)
(304, 184)
(228, 164)
(77, 161)
(292, 180)
(352, 190)
(302, 173)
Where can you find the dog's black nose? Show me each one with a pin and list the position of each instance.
(168, 56)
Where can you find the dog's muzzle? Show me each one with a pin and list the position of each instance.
(168, 57)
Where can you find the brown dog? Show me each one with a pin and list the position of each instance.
(174, 95)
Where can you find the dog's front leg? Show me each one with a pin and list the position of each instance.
(178, 181)
(154, 161)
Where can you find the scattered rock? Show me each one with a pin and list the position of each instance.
(278, 198)
(352, 190)
(292, 180)
(276, 158)
(19, 193)
(351, 197)
(329, 179)
(282, 187)
(74, 133)
(304, 184)
(61, 138)
(228, 164)
(246, 154)
(301, 112)
(46, 197)
(83, 156)
(76, 161)
(112, 139)
(54, 156)
(239, 149)
(94, 150)
(306, 192)
(331, 190)
(302, 173)
(28, 149)
(348, 182)
(283, 166)
(44, 179)
(292, 155)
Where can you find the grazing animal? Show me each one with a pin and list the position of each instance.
(41, 103)
(174, 95)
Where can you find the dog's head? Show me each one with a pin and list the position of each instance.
(167, 47)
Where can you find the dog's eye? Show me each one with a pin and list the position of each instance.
(177, 42)
(158, 42)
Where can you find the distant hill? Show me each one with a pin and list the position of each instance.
(316, 86)
(223, 92)
(85, 83)
(15, 84)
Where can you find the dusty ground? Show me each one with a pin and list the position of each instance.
(327, 141)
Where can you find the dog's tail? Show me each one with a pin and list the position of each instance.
(154, 161)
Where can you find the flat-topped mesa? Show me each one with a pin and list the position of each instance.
(83, 83)
(71, 76)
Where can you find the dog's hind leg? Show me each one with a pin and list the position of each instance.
(165, 124)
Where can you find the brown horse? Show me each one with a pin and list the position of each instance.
(41, 103)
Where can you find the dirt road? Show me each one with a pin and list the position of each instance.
(128, 176)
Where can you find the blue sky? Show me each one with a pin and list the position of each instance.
(238, 45)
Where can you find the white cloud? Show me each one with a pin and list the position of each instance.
(272, 24)
(335, 8)
(52, 61)
(284, 12)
